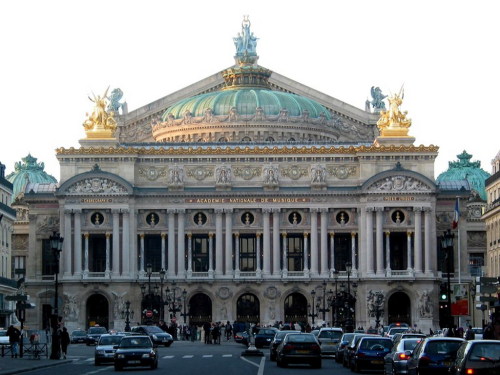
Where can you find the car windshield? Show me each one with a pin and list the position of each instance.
(97, 330)
(485, 351)
(397, 330)
(78, 333)
(410, 344)
(153, 329)
(376, 344)
(281, 334)
(330, 334)
(110, 340)
(266, 332)
(3, 333)
(300, 338)
(442, 347)
(135, 342)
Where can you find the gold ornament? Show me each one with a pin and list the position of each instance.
(393, 123)
(100, 124)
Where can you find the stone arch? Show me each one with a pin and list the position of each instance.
(399, 180)
(97, 311)
(399, 308)
(295, 308)
(200, 308)
(248, 308)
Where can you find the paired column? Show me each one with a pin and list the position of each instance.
(306, 254)
(78, 242)
(107, 271)
(218, 243)
(116, 243)
(67, 254)
(128, 256)
(429, 265)
(314, 242)
(237, 255)
(379, 211)
(181, 248)
(418, 239)
(332, 253)
(324, 241)
(266, 269)
(229, 242)
(171, 244)
(408, 248)
(369, 240)
(276, 242)
(284, 271)
(388, 251)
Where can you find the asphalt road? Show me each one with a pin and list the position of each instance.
(186, 358)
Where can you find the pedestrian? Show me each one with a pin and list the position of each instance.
(469, 333)
(65, 340)
(14, 337)
(229, 330)
(206, 330)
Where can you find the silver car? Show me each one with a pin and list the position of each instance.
(395, 360)
(104, 351)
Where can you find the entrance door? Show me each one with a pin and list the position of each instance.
(399, 308)
(296, 308)
(98, 311)
(248, 309)
(200, 309)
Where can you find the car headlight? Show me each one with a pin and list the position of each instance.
(100, 351)
(155, 337)
(121, 356)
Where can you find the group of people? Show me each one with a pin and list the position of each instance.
(15, 337)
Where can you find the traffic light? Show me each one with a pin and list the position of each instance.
(443, 293)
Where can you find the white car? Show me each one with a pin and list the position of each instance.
(104, 351)
(329, 339)
(4, 339)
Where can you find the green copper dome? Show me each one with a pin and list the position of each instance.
(28, 171)
(464, 169)
(246, 101)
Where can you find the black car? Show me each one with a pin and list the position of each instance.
(433, 356)
(299, 348)
(278, 337)
(349, 349)
(264, 336)
(478, 357)
(135, 350)
(369, 353)
(344, 341)
(241, 337)
(157, 335)
(395, 362)
(94, 334)
(78, 336)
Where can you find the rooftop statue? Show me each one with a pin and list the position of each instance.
(114, 104)
(378, 99)
(100, 119)
(246, 42)
(394, 122)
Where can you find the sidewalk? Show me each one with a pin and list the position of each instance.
(10, 365)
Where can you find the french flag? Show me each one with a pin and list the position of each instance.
(456, 215)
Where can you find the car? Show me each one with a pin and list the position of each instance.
(349, 349)
(241, 337)
(299, 348)
(344, 341)
(393, 331)
(278, 337)
(4, 339)
(94, 334)
(407, 335)
(395, 360)
(433, 355)
(135, 350)
(478, 357)
(264, 336)
(78, 336)
(104, 350)
(478, 333)
(369, 353)
(329, 338)
(157, 335)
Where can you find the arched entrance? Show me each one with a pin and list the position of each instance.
(399, 308)
(248, 309)
(200, 309)
(98, 311)
(296, 308)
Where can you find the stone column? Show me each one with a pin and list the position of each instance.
(237, 255)
(369, 240)
(408, 248)
(266, 271)
(379, 211)
(314, 242)
(353, 251)
(418, 239)
(211, 255)
(181, 246)
(171, 244)
(67, 252)
(107, 271)
(116, 243)
(427, 241)
(306, 254)
(163, 250)
(78, 243)
(332, 252)
(284, 271)
(218, 243)
(190, 255)
(141, 244)
(229, 242)
(276, 242)
(126, 244)
(324, 242)
(388, 251)
(86, 255)
(258, 270)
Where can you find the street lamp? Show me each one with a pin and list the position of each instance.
(447, 245)
(312, 313)
(184, 312)
(378, 307)
(162, 278)
(172, 300)
(349, 323)
(325, 298)
(56, 242)
(127, 314)
(335, 299)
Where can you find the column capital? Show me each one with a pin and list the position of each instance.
(324, 210)
(180, 210)
(228, 210)
(125, 211)
(171, 211)
(369, 209)
(86, 235)
(219, 211)
(266, 210)
(236, 234)
(108, 235)
(164, 234)
(258, 234)
(418, 209)
(283, 234)
(276, 210)
(141, 235)
(387, 232)
(409, 233)
(314, 210)
(68, 211)
(353, 234)
(210, 234)
(306, 234)
(77, 210)
(189, 235)
(115, 211)
(379, 209)
(332, 234)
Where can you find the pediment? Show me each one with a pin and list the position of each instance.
(399, 180)
(96, 183)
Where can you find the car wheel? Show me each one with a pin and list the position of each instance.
(167, 344)
(118, 368)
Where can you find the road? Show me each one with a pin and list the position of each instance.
(186, 358)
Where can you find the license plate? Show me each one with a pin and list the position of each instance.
(377, 362)
(134, 362)
(302, 351)
(447, 364)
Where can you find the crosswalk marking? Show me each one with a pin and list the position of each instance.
(168, 357)
(227, 355)
(187, 356)
(83, 360)
(207, 356)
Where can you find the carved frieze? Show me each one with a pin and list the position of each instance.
(342, 171)
(96, 185)
(152, 173)
(200, 173)
(398, 184)
(294, 172)
(247, 172)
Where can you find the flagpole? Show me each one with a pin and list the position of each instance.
(459, 245)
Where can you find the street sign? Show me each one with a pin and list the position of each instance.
(486, 289)
(486, 280)
(486, 299)
(149, 314)
(17, 297)
(481, 307)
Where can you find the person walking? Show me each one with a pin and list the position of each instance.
(14, 337)
(65, 340)
(229, 330)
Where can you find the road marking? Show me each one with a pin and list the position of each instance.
(207, 356)
(187, 356)
(227, 355)
(96, 371)
(168, 357)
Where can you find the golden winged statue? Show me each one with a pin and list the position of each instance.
(394, 122)
(100, 123)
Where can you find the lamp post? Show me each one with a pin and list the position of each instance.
(447, 245)
(56, 242)
(349, 323)
(335, 299)
(312, 313)
(184, 312)
(324, 309)
(127, 314)
(162, 278)
(172, 301)
(379, 308)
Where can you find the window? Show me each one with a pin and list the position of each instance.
(295, 254)
(200, 253)
(248, 253)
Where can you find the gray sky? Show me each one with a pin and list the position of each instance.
(56, 53)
